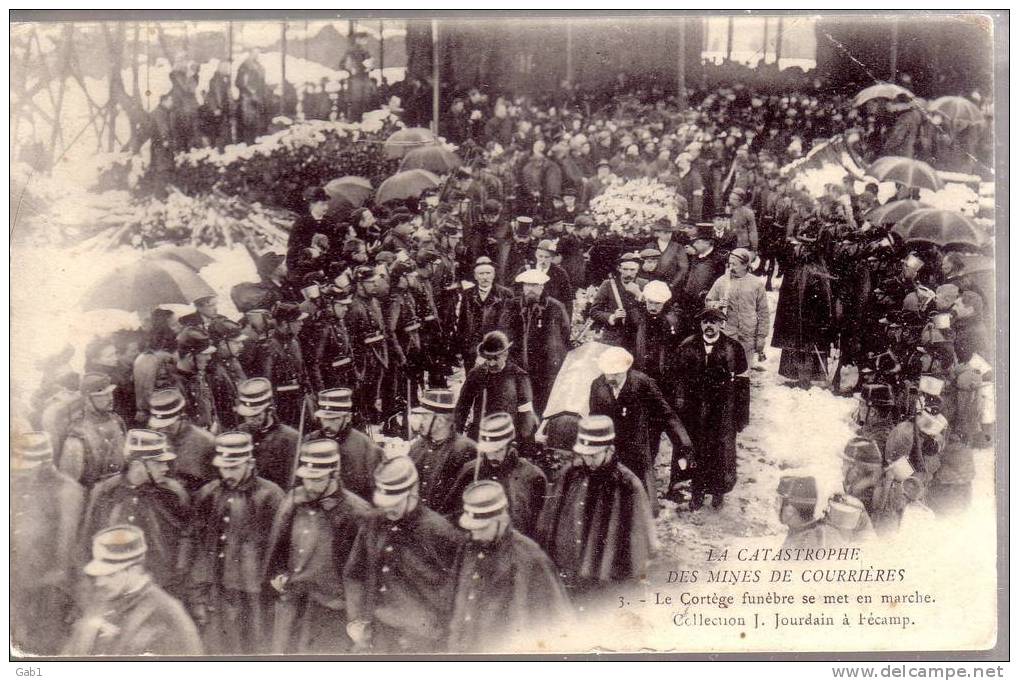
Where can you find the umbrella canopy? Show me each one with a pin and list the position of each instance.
(350, 188)
(406, 185)
(893, 211)
(144, 285)
(944, 228)
(904, 170)
(959, 110)
(881, 91)
(402, 141)
(572, 386)
(434, 159)
(186, 255)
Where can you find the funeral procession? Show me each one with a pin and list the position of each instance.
(424, 336)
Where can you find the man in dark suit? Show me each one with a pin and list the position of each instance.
(206, 312)
(674, 263)
(638, 409)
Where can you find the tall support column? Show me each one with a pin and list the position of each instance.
(435, 76)
(728, 39)
(778, 41)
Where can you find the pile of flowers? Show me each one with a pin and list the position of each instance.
(278, 167)
(633, 205)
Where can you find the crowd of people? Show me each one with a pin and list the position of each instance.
(221, 484)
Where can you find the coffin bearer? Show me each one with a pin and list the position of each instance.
(130, 614)
(502, 577)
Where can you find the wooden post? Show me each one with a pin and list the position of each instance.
(764, 45)
(728, 39)
(283, 69)
(569, 51)
(382, 52)
(778, 42)
(893, 57)
(681, 66)
(435, 77)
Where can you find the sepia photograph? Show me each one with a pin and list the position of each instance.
(432, 334)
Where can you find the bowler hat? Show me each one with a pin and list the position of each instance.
(494, 344)
(712, 313)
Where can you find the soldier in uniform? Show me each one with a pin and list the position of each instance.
(284, 364)
(129, 615)
(499, 460)
(438, 361)
(371, 352)
(502, 577)
(46, 510)
(275, 442)
(359, 455)
(480, 309)
(333, 354)
(193, 446)
(797, 499)
(596, 525)
(146, 496)
(439, 452)
(404, 327)
(538, 326)
(400, 576)
(94, 448)
(497, 384)
(225, 547)
(310, 541)
(229, 339)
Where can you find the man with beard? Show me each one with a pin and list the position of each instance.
(128, 614)
(224, 549)
(616, 304)
(94, 447)
(359, 455)
(706, 368)
(284, 364)
(193, 446)
(499, 460)
(145, 495)
(275, 443)
(596, 525)
(46, 510)
(640, 413)
(371, 352)
(311, 538)
(496, 384)
(333, 353)
(399, 579)
(673, 263)
(559, 285)
(501, 577)
(538, 327)
(480, 309)
(438, 452)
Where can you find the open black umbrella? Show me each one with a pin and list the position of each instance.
(433, 158)
(144, 285)
(943, 228)
(893, 211)
(905, 170)
(406, 185)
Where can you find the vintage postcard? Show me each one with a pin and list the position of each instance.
(408, 335)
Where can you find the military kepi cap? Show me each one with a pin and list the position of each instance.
(334, 403)
(96, 384)
(495, 431)
(319, 458)
(395, 478)
(165, 407)
(31, 449)
(482, 501)
(233, 448)
(147, 445)
(254, 396)
(116, 548)
(438, 401)
(594, 433)
(800, 491)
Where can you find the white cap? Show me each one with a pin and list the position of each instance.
(657, 291)
(531, 277)
(615, 360)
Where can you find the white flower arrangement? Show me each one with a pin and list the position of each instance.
(634, 205)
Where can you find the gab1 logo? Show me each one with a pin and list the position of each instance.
(28, 671)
